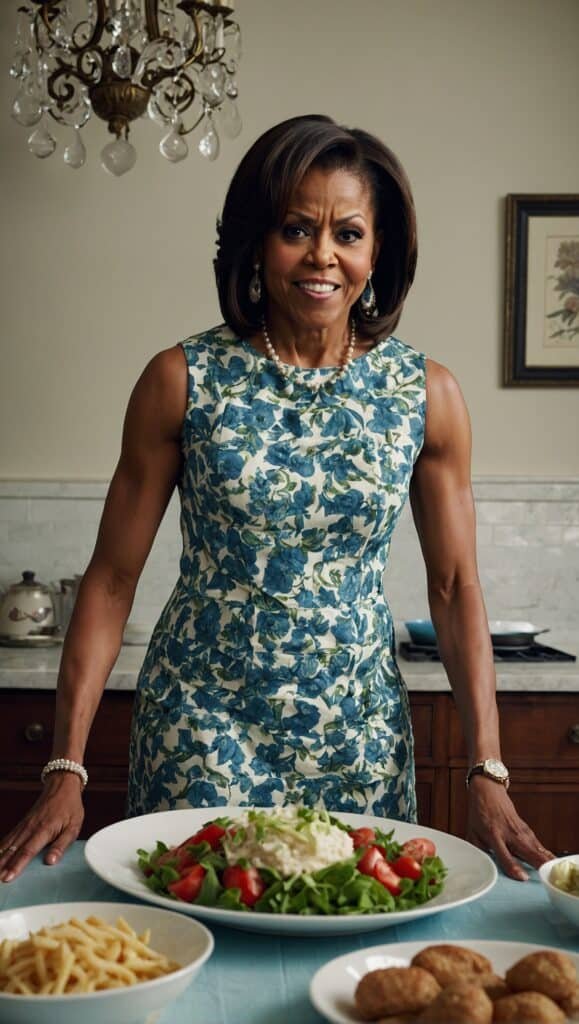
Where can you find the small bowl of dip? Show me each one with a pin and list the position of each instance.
(560, 877)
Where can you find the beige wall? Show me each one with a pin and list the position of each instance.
(477, 99)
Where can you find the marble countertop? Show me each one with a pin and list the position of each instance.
(26, 668)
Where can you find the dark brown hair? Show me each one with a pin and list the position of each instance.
(259, 195)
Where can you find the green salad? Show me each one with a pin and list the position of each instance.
(295, 860)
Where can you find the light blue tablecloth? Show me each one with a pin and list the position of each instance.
(263, 979)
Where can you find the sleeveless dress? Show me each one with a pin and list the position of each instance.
(271, 676)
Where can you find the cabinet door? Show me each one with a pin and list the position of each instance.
(547, 801)
(429, 723)
(27, 727)
(432, 797)
(429, 713)
(27, 724)
(537, 729)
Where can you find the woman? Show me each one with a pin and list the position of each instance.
(294, 434)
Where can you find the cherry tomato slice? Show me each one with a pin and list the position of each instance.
(362, 837)
(212, 834)
(187, 888)
(369, 859)
(178, 857)
(384, 873)
(247, 880)
(407, 867)
(419, 848)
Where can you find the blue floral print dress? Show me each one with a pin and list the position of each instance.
(271, 675)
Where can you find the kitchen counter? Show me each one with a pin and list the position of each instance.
(264, 979)
(26, 668)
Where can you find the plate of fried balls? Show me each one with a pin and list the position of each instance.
(479, 982)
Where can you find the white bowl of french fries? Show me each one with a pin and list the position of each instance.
(95, 962)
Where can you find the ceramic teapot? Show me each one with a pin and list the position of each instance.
(26, 609)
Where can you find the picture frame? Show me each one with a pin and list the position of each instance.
(541, 344)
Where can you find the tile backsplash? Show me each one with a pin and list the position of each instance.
(528, 547)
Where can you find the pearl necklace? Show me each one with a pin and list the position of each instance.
(282, 368)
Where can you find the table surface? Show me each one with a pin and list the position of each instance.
(264, 979)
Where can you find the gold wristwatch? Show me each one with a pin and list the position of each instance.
(492, 769)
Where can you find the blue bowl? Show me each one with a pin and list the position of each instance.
(421, 631)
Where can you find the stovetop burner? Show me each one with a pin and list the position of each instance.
(533, 653)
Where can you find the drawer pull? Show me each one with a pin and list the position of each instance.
(574, 734)
(34, 732)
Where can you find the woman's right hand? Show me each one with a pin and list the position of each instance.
(54, 821)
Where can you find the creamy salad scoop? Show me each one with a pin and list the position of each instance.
(286, 842)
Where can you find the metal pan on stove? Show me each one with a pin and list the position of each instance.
(507, 634)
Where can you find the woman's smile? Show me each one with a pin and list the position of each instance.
(317, 288)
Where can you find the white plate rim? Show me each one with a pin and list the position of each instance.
(409, 949)
(77, 908)
(272, 922)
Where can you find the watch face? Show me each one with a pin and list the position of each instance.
(496, 768)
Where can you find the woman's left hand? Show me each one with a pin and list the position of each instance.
(493, 824)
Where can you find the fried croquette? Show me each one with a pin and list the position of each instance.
(570, 1005)
(527, 1008)
(398, 1018)
(547, 971)
(460, 1003)
(449, 964)
(494, 986)
(394, 990)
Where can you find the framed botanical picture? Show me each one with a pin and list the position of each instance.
(542, 291)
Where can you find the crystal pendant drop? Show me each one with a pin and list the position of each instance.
(41, 142)
(213, 84)
(26, 108)
(17, 66)
(208, 34)
(75, 152)
(209, 141)
(233, 42)
(122, 62)
(173, 146)
(231, 88)
(155, 112)
(229, 119)
(118, 157)
(219, 33)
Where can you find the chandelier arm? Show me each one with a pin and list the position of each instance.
(198, 48)
(67, 69)
(185, 99)
(187, 131)
(99, 27)
(212, 60)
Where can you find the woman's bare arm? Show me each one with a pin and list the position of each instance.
(443, 509)
(148, 469)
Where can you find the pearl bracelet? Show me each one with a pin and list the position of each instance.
(64, 764)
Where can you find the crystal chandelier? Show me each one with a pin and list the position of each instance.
(125, 59)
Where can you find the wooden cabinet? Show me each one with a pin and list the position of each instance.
(27, 718)
(540, 744)
(430, 725)
(540, 741)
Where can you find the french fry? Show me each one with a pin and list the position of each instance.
(80, 956)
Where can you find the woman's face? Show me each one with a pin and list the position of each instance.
(316, 265)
